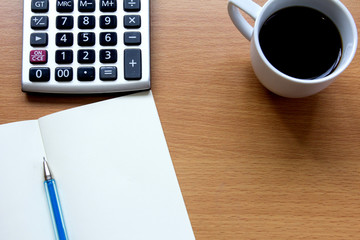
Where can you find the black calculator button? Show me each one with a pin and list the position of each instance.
(108, 73)
(108, 22)
(132, 21)
(64, 22)
(64, 39)
(64, 74)
(132, 5)
(108, 39)
(39, 39)
(132, 38)
(86, 22)
(39, 22)
(64, 56)
(108, 56)
(64, 6)
(86, 39)
(86, 73)
(108, 5)
(86, 6)
(39, 74)
(86, 56)
(132, 64)
(40, 6)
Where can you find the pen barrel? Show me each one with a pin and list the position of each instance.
(55, 210)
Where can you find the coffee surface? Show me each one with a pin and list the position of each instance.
(301, 42)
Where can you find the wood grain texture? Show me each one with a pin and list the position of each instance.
(251, 165)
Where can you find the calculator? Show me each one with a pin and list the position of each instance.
(86, 46)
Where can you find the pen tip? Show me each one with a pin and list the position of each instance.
(47, 172)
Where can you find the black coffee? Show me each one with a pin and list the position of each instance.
(301, 42)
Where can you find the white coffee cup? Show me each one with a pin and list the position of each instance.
(274, 80)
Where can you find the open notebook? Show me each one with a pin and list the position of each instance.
(113, 171)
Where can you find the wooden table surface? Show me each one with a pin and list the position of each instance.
(251, 165)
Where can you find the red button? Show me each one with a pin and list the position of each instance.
(38, 56)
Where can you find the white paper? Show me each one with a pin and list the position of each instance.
(113, 170)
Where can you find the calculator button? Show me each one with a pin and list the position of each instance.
(64, 22)
(39, 39)
(64, 56)
(65, 5)
(86, 73)
(39, 22)
(108, 5)
(64, 39)
(40, 6)
(86, 22)
(132, 64)
(108, 56)
(38, 56)
(108, 22)
(132, 5)
(39, 74)
(86, 56)
(64, 74)
(86, 39)
(132, 38)
(132, 21)
(108, 39)
(86, 6)
(108, 73)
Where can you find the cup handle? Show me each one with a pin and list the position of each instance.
(249, 7)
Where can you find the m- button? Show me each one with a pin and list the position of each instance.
(40, 6)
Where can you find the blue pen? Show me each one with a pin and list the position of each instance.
(54, 204)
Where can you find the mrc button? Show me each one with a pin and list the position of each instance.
(65, 5)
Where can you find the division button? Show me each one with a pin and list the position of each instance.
(108, 73)
(132, 64)
(40, 6)
(132, 5)
(39, 39)
(39, 74)
(39, 22)
(86, 73)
